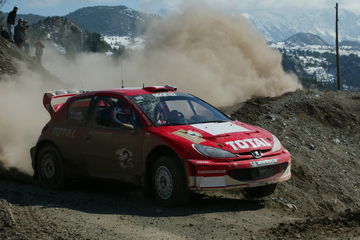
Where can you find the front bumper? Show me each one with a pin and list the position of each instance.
(207, 174)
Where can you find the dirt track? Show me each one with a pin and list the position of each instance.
(321, 201)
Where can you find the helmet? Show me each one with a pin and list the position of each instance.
(121, 114)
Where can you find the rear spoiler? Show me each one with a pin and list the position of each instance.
(49, 96)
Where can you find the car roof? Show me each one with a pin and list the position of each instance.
(75, 94)
(135, 91)
(126, 91)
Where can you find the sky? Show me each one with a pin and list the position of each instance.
(60, 7)
(63, 7)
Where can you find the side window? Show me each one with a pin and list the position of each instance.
(78, 111)
(113, 113)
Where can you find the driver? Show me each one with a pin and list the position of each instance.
(176, 117)
(121, 114)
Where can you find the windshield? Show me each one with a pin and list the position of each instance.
(172, 108)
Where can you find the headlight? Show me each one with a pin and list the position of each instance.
(213, 152)
(277, 144)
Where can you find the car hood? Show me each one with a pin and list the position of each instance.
(233, 136)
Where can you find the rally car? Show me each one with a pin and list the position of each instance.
(156, 137)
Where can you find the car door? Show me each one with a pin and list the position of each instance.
(70, 133)
(113, 145)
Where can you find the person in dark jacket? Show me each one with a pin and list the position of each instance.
(19, 34)
(11, 23)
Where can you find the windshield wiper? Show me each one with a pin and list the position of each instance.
(215, 121)
(176, 124)
(173, 124)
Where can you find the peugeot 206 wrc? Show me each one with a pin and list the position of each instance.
(156, 137)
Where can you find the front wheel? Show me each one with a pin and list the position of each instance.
(259, 192)
(169, 182)
(50, 168)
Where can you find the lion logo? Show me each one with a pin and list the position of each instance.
(125, 158)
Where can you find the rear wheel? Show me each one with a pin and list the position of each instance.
(169, 182)
(262, 191)
(50, 168)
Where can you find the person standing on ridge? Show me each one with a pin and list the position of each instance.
(20, 37)
(38, 51)
(19, 34)
(11, 23)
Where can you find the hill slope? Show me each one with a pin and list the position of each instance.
(320, 129)
(68, 35)
(11, 57)
(117, 20)
(8, 52)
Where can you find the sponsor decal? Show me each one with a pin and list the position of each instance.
(63, 132)
(248, 143)
(211, 171)
(139, 98)
(220, 128)
(202, 162)
(192, 136)
(263, 163)
(125, 158)
(164, 94)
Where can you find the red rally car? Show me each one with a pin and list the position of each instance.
(156, 137)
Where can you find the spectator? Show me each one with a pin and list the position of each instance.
(11, 23)
(39, 51)
(20, 35)
(26, 46)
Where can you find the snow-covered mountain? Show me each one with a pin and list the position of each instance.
(306, 39)
(315, 64)
(111, 20)
(278, 25)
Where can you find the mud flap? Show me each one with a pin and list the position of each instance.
(33, 162)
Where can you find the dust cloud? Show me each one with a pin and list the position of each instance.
(208, 53)
(22, 117)
(213, 55)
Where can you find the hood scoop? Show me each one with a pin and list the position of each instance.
(216, 129)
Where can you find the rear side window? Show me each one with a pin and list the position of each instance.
(79, 110)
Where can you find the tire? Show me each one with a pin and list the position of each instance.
(259, 192)
(50, 168)
(169, 182)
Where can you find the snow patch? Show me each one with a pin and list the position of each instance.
(128, 42)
